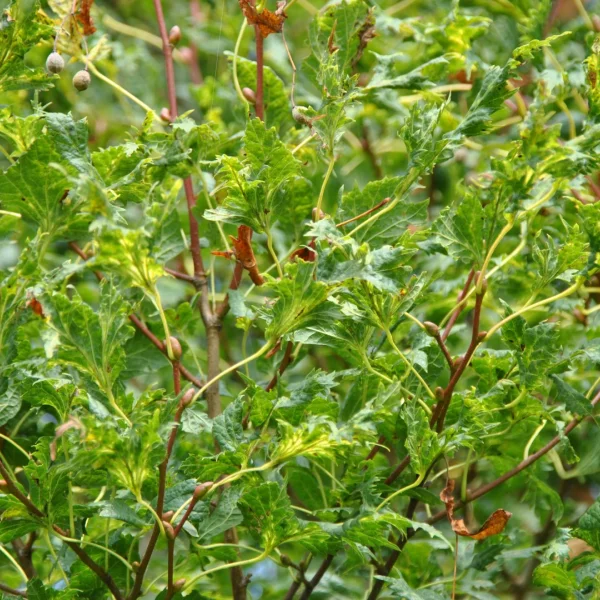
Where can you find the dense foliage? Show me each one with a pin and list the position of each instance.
(299, 300)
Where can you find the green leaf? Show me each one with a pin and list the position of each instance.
(301, 302)
(557, 579)
(256, 185)
(575, 401)
(588, 527)
(227, 427)
(267, 513)
(11, 529)
(459, 229)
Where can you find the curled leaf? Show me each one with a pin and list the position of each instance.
(494, 524)
(85, 18)
(243, 253)
(267, 22)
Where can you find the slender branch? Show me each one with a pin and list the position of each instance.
(459, 307)
(8, 590)
(260, 98)
(12, 488)
(310, 585)
(285, 362)
(366, 213)
(140, 325)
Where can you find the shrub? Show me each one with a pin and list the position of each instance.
(322, 326)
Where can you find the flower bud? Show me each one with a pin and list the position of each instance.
(82, 80)
(174, 35)
(55, 63)
(135, 565)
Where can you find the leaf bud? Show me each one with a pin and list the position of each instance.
(188, 397)
(135, 565)
(481, 336)
(174, 35)
(82, 80)
(431, 328)
(169, 531)
(178, 585)
(3, 486)
(167, 516)
(285, 560)
(439, 392)
(175, 347)
(249, 95)
(187, 55)
(55, 63)
(165, 114)
(201, 490)
(298, 114)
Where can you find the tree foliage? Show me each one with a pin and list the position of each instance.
(294, 295)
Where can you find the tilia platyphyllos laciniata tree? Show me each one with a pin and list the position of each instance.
(299, 300)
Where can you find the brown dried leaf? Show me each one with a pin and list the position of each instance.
(267, 22)
(243, 253)
(366, 34)
(85, 18)
(494, 524)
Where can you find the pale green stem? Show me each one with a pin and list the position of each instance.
(512, 404)
(10, 213)
(465, 475)
(155, 297)
(415, 320)
(414, 484)
(116, 407)
(584, 14)
(532, 439)
(303, 143)
(236, 51)
(324, 186)
(117, 87)
(592, 389)
(570, 290)
(237, 365)
(19, 448)
(506, 229)
(244, 350)
(140, 34)
(591, 311)
(55, 557)
(408, 363)
(16, 565)
(239, 563)
(210, 205)
(504, 262)
(446, 471)
(98, 546)
(273, 253)
(69, 488)
(153, 513)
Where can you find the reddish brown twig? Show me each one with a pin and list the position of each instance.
(460, 306)
(366, 213)
(260, 101)
(12, 592)
(13, 489)
(478, 493)
(441, 408)
(140, 325)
